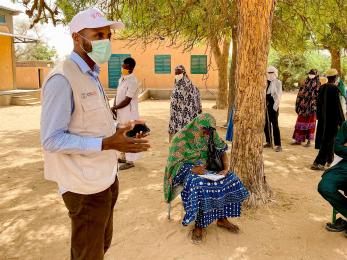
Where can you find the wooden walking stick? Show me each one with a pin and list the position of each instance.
(269, 125)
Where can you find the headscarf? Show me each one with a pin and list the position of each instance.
(182, 68)
(185, 102)
(306, 101)
(275, 87)
(185, 81)
(342, 88)
(190, 145)
(272, 69)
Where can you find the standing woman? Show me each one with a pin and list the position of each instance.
(185, 102)
(273, 99)
(306, 107)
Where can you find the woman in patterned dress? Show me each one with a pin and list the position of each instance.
(204, 200)
(305, 107)
(185, 102)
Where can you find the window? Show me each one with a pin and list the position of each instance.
(198, 64)
(2, 19)
(114, 69)
(162, 64)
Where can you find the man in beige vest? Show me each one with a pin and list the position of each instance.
(80, 138)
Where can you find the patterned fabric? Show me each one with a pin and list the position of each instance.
(306, 101)
(205, 201)
(305, 128)
(185, 103)
(189, 146)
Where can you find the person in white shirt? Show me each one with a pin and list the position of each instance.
(125, 106)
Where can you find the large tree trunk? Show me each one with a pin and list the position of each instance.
(232, 72)
(255, 17)
(335, 58)
(221, 58)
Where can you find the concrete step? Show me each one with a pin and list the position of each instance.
(23, 97)
(19, 97)
(24, 101)
(110, 93)
(34, 103)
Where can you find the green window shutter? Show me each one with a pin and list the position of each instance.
(198, 64)
(162, 64)
(115, 69)
(2, 18)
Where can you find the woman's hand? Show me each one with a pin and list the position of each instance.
(199, 170)
(224, 172)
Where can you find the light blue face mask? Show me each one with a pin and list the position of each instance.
(101, 50)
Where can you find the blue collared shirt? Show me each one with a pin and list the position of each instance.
(57, 108)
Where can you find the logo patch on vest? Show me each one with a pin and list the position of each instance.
(88, 94)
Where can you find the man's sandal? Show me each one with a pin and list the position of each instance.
(339, 226)
(197, 240)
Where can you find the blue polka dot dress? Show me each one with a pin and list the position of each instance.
(205, 201)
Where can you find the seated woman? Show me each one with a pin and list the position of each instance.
(204, 200)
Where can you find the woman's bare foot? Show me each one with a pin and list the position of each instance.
(197, 235)
(224, 223)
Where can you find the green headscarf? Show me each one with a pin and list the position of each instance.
(189, 146)
(342, 88)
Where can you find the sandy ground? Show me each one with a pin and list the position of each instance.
(34, 222)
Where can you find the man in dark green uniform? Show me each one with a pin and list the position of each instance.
(334, 181)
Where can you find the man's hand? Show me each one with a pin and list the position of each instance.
(199, 170)
(120, 142)
(345, 145)
(132, 124)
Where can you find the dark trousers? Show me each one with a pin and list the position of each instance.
(91, 222)
(271, 119)
(329, 187)
(326, 151)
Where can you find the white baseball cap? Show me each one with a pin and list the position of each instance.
(92, 18)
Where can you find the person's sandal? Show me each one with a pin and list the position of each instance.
(126, 166)
(317, 167)
(267, 145)
(232, 228)
(122, 161)
(308, 144)
(197, 240)
(295, 143)
(278, 149)
(339, 226)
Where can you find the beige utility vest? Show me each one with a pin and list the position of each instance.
(85, 173)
